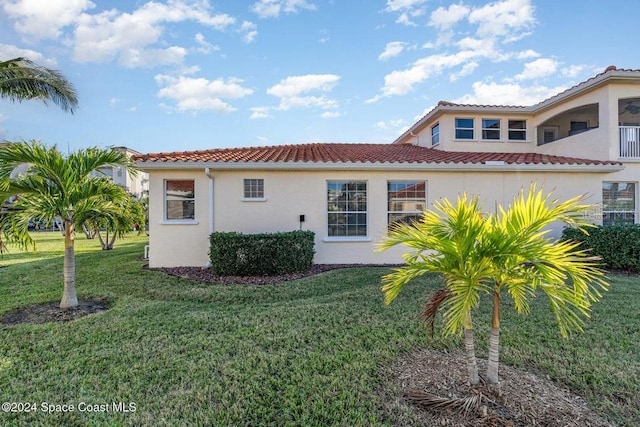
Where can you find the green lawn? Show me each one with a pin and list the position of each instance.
(309, 352)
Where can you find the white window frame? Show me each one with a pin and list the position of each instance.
(417, 213)
(457, 128)
(491, 129)
(510, 129)
(167, 198)
(256, 184)
(347, 237)
(435, 137)
(622, 211)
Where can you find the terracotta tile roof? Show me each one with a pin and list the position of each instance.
(357, 153)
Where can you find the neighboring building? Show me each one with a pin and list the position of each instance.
(583, 140)
(137, 185)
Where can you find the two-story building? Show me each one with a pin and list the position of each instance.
(583, 140)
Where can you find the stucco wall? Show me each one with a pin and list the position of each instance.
(290, 194)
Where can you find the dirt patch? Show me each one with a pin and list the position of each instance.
(205, 274)
(51, 312)
(521, 398)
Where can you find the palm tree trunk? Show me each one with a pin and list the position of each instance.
(470, 350)
(494, 340)
(69, 298)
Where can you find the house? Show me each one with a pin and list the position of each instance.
(583, 140)
(137, 185)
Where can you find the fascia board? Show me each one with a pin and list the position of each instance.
(444, 167)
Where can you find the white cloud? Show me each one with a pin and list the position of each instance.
(198, 94)
(466, 70)
(330, 115)
(260, 113)
(114, 101)
(506, 18)
(249, 31)
(130, 37)
(539, 68)
(445, 19)
(496, 24)
(294, 91)
(403, 81)
(39, 19)
(573, 70)
(391, 50)
(204, 46)
(527, 54)
(273, 8)
(8, 51)
(407, 8)
(507, 94)
(391, 124)
(398, 5)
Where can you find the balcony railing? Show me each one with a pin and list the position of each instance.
(630, 142)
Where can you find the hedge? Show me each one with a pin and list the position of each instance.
(265, 254)
(618, 245)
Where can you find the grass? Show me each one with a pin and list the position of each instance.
(310, 352)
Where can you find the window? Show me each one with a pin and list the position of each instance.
(517, 130)
(549, 134)
(435, 134)
(490, 128)
(254, 188)
(179, 199)
(406, 201)
(464, 128)
(347, 208)
(618, 203)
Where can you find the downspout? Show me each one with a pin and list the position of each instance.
(207, 171)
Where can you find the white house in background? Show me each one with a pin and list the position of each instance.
(583, 140)
(137, 185)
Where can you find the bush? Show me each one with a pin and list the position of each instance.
(266, 254)
(618, 244)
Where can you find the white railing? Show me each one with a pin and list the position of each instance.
(630, 142)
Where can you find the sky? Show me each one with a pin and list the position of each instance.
(175, 75)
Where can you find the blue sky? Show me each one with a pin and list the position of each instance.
(172, 75)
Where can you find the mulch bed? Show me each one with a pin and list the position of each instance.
(520, 399)
(204, 274)
(51, 312)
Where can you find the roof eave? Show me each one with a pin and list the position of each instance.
(378, 166)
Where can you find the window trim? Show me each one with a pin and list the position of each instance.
(436, 135)
(510, 129)
(165, 207)
(347, 238)
(457, 128)
(247, 196)
(416, 182)
(635, 201)
(487, 129)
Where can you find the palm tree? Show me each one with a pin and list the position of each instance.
(489, 253)
(525, 260)
(58, 186)
(129, 217)
(22, 79)
(445, 241)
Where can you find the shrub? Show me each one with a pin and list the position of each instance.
(265, 254)
(618, 244)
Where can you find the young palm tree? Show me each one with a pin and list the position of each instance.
(490, 253)
(22, 79)
(525, 260)
(58, 186)
(446, 241)
(129, 217)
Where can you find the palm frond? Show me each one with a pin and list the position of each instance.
(22, 79)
